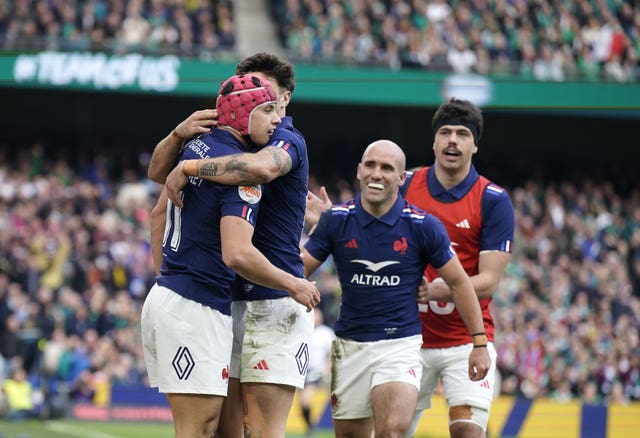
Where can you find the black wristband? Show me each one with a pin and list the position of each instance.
(479, 334)
(480, 346)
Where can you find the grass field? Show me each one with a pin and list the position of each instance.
(89, 429)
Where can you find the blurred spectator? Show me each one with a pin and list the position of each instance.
(567, 39)
(156, 27)
(567, 311)
(460, 57)
(18, 392)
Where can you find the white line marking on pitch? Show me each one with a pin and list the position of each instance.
(76, 431)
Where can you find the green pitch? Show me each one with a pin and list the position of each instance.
(89, 429)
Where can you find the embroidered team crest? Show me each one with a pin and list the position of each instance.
(225, 373)
(401, 246)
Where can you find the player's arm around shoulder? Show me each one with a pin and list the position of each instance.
(248, 168)
(165, 154)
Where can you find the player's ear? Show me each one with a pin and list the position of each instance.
(403, 177)
(286, 98)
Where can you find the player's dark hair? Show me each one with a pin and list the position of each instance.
(271, 65)
(461, 111)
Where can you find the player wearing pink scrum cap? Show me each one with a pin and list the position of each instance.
(186, 318)
(239, 97)
(265, 370)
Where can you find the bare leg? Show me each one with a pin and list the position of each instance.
(393, 407)
(357, 428)
(195, 415)
(231, 418)
(267, 409)
(461, 426)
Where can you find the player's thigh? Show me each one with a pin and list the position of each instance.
(433, 362)
(275, 345)
(193, 344)
(458, 388)
(393, 405)
(359, 367)
(195, 414)
(231, 417)
(267, 406)
(469, 402)
(396, 360)
(395, 382)
(351, 374)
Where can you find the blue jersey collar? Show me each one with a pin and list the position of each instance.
(389, 218)
(286, 122)
(458, 191)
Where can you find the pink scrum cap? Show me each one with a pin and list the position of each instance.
(238, 98)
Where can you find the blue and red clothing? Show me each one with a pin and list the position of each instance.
(380, 262)
(279, 228)
(479, 217)
(192, 263)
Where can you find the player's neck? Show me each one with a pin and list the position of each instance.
(235, 133)
(451, 177)
(377, 209)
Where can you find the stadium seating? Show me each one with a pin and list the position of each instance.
(190, 28)
(544, 40)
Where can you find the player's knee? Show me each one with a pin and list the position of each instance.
(391, 430)
(470, 415)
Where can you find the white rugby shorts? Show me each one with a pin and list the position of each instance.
(187, 346)
(452, 364)
(360, 366)
(271, 341)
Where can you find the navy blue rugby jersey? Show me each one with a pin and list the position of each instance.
(279, 227)
(192, 263)
(380, 263)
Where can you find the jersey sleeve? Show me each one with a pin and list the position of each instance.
(241, 201)
(498, 222)
(289, 141)
(437, 245)
(320, 243)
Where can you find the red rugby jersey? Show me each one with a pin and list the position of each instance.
(442, 325)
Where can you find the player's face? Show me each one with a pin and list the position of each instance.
(380, 173)
(263, 122)
(284, 96)
(454, 147)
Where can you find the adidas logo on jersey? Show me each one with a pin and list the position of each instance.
(463, 224)
(262, 365)
(351, 244)
(485, 384)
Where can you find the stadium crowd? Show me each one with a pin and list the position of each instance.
(541, 39)
(75, 266)
(187, 28)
